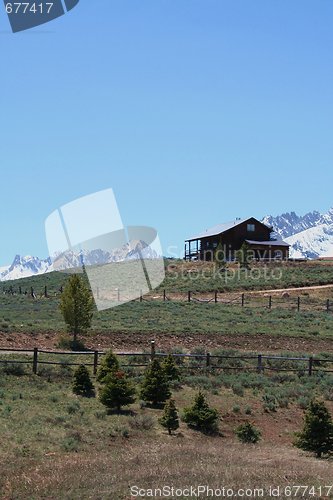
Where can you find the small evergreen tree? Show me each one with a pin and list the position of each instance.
(108, 364)
(243, 256)
(317, 433)
(155, 387)
(82, 384)
(117, 391)
(248, 433)
(170, 419)
(76, 305)
(170, 368)
(201, 416)
(219, 256)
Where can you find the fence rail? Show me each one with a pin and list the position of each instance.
(262, 362)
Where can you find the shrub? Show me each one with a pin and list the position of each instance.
(170, 368)
(169, 419)
(74, 407)
(16, 369)
(82, 384)
(317, 433)
(117, 391)
(200, 416)
(145, 422)
(236, 409)
(248, 410)
(155, 387)
(238, 390)
(269, 402)
(67, 343)
(109, 364)
(248, 433)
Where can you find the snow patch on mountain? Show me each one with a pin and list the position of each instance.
(312, 243)
(310, 236)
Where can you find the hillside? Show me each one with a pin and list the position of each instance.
(25, 321)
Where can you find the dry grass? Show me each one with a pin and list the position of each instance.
(177, 461)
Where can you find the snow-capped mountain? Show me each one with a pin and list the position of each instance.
(23, 267)
(310, 236)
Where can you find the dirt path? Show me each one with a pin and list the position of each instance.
(295, 289)
(137, 342)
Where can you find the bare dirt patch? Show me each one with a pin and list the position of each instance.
(136, 342)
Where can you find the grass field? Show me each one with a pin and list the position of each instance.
(22, 314)
(57, 445)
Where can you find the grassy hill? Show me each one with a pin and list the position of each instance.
(22, 313)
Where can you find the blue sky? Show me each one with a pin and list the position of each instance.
(194, 111)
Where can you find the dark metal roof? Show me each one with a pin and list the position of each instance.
(271, 243)
(221, 228)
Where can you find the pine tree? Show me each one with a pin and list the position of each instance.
(200, 415)
(248, 433)
(317, 433)
(219, 256)
(82, 384)
(155, 387)
(170, 368)
(76, 305)
(169, 419)
(117, 391)
(243, 255)
(108, 364)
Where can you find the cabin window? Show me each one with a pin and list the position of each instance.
(251, 228)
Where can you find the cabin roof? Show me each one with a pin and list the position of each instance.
(222, 228)
(271, 243)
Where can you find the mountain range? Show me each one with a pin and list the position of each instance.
(23, 267)
(310, 236)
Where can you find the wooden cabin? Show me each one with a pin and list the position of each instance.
(229, 238)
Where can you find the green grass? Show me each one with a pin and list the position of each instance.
(21, 314)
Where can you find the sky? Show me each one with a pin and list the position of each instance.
(194, 112)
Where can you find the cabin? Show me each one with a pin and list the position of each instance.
(230, 237)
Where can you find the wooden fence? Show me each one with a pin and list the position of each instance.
(261, 363)
(242, 299)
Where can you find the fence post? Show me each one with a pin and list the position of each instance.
(141, 298)
(328, 305)
(35, 361)
(259, 367)
(215, 297)
(32, 292)
(164, 296)
(45, 292)
(95, 361)
(152, 350)
(189, 296)
(310, 365)
(20, 290)
(298, 303)
(270, 302)
(243, 299)
(208, 359)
